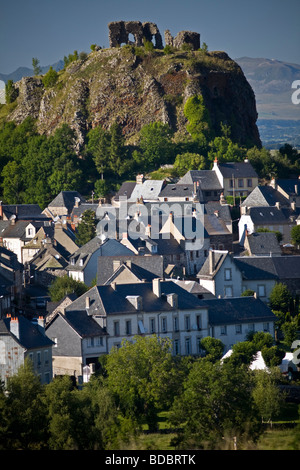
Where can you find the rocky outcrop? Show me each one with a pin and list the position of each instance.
(135, 88)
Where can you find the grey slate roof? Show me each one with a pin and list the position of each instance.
(66, 199)
(288, 185)
(22, 211)
(267, 215)
(264, 196)
(237, 170)
(83, 324)
(207, 179)
(255, 267)
(263, 243)
(107, 248)
(125, 190)
(177, 190)
(149, 190)
(105, 300)
(30, 336)
(18, 229)
(144, 267)
(219, 258)
(238, 310)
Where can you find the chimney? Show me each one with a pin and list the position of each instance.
(87, 302)
(148, 231)
(139, 179)
(77, 201)
(113, 285)
(293, 206)
(15, 327)
(41, 324)
(116, 264)
(222, 199)
(255, 295)
(211, 257)
(273, 183)
(277, 204)
(156, 287)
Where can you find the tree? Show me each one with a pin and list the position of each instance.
(50, 78)
(216, 404)
(65, 285)
(86, 230)
(266, 394)
(156, 145)
(295, 234)
(199, 125)
(11, 93)
(189, 161)
(98, 145)
(12, 183)
(117, 151)
(36, 68)
(280, 298)
(141, 375)
(213, 348)
(25, 414)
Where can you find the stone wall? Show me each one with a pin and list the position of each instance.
(119, 33)
(183, 37)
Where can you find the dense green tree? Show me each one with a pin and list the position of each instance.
(189, 161)
(11, 92)
(65, 285)
(156, 145)
(260, 339)
(141, 375)
(266, 394)
(199, 124)
(117, 150)
(213, 348)
(50, 78)
(280, 298)
(272, 355)
(216, 404)
(86, 229)
(295, 234)
(243, 353)
(98, 145)
(25, 414)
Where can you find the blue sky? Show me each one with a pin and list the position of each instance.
(51, 29)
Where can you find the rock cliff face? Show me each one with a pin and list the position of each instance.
(134, 88)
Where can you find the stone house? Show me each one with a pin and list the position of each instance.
(105, 316)
(237, 179)
(83, 264)
(21, 339)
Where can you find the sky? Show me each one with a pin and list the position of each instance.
(51, 29)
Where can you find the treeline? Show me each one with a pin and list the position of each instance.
(209, 401)
(35, 168)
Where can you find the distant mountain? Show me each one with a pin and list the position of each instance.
(271, 81)
(278, 118)
(27, 72)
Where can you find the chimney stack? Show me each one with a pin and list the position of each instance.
(41, 324)
(15, 327)
(156, 287)
(87, 302)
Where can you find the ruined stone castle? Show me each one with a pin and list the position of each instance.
(120, 31)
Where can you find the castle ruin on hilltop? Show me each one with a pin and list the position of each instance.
(119, 32)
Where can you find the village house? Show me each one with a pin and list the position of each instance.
(21, 339)
(105, 316)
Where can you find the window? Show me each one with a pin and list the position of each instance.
(199, 322)
(164, 324)
(249, 183)
(116, 328)
(231, 183)
(99, 341)
(251, 327)
(241, 183)
(187, 346)
(46, 356)
(238, 329)
(261, 291)
(90, 342)
(187, 322)
(152, 325)
(38, 356)
(228, 291)
(176, 326)
(223, 330)
(227, 274)
(176, 347)
(128, 327)
(198, 342)
(266, 326)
